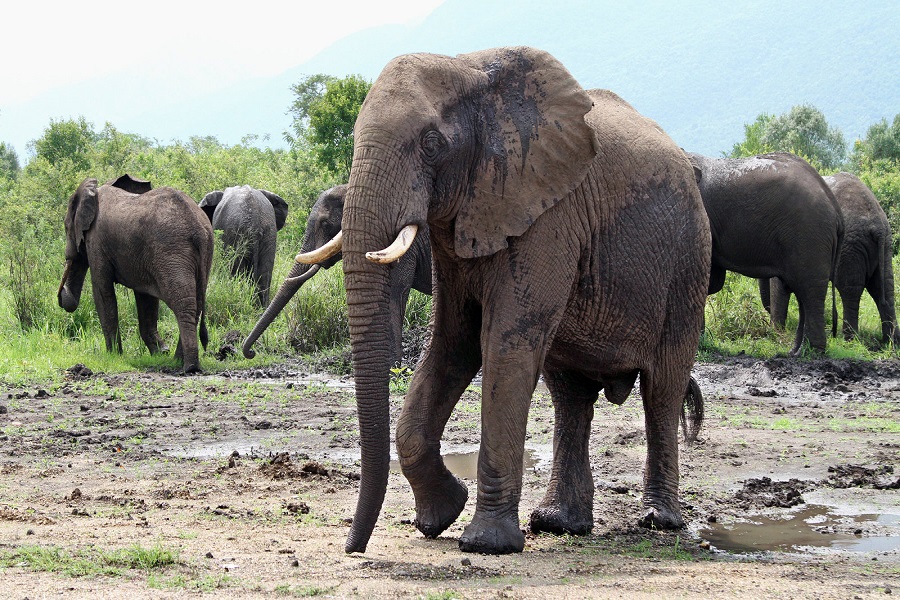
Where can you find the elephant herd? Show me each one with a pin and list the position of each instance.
(561, 234)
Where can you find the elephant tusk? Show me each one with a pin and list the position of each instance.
(397, 249)
(319, 254)
(65, 277)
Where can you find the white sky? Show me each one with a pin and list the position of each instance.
(45, 44)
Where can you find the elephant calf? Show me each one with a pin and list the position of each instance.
(156, 242)
(413, 271)
(250, 220)
(864, 263)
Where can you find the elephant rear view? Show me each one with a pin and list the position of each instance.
(250, 220)
(773, 216)
(156, 242)
(864, 264)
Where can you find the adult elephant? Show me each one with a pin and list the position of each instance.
(250, 220)
(864, 262)
(568, 238)
(156, 242)
(412, 271)
(773, 216)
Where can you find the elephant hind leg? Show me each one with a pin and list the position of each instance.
(567, 506)
(148, 317)
(662, 390)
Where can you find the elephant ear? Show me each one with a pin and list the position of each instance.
(280, 206)
(536, 146)
(83, 207)
(130, 184)
(209, 202)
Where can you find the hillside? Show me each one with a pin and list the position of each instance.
(701, 73)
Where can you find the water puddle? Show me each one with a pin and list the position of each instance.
(465, 464)
(813, 526)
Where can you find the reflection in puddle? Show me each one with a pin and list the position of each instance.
(813, 526)
(465, 464)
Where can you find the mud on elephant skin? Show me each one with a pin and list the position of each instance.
(250, 220)
(864, 262)
(412, 271)
(568, 239)
(773, 216)
(156, 242)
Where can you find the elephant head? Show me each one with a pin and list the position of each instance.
(81, 214)
(477, 147)
(323, 224)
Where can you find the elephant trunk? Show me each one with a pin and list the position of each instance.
(298, 275)
(69, 294)
(368, 309)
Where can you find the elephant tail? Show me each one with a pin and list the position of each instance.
(204, 334)
(692, 412)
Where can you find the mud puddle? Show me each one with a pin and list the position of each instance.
(464, 464)
(810, 528)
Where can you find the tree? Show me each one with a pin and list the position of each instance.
(9, 161)
(882, 142)
(71, 139)
(803, 130)
(325, 112)
(753, 138)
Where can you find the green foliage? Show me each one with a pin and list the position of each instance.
(67, 140)
(753, 143)
(882, 142)
(89, 561)
(803, 131)
(324, 112)
(9, 162)
(883, 178)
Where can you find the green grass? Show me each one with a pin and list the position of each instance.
(303, 591)
(89, 561)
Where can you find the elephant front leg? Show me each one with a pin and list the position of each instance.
(567, 506)
(148, 317)
(509, 379)
(451, 361)
(108, 311)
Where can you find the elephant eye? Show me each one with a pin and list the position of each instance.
(433, 143)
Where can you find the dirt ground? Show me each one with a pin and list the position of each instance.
(251, 477)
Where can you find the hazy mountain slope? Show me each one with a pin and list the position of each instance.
(701, 72)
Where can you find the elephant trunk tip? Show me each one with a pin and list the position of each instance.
(249, 352)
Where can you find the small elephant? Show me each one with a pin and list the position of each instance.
(773, 216)
(324, 223)
(864, 264)
(250, 220)
(568, 239)
(156, 242)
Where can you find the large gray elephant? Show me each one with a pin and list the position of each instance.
(250, 220)
(156, 242)
(412, 271)
(864, 263)
(568, 239)
(773, 216)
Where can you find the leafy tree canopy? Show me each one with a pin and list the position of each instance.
(803, 130)
(70, 139)
(882, 142)
(9, 161)
(325, 111)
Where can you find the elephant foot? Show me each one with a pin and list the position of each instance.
(658, 517)
(561, 519)
(442, 505)
(192, 368)
(486, 535)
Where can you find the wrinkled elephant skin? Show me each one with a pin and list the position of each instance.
(568, 239)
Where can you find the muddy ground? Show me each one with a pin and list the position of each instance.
(249, 479)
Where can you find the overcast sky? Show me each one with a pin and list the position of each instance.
(46, 44)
